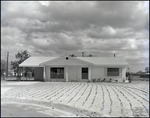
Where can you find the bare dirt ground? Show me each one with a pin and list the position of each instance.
(15, 108)
(81, 98)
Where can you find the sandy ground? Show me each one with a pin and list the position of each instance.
(13, 108)
(80, 98)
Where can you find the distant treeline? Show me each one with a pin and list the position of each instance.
(141, 75)
(144, 76)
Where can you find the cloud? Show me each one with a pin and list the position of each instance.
(51, 28)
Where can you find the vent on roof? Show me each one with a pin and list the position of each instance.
(67, 58)
(114, 55)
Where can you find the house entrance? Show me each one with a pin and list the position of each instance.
(84, 73)
(57, 73)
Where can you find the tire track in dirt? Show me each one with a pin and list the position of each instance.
(34, 92)
(110, 110)
(67, 93)
(18, 92)
(60, 97)
(143, 93)
(72, 91)
(81, 94)
(61, 87)
(46, 90)
(94, 96)
(76, 93)
(87, 96)
(14, 92)
(132, 88)
(55, 89)
(97, 105)
(121, 104)
(103, 98)
(68, 89)
(26, 91)
(136, 99)
(138, 95)
(58, 92)
(127, 100)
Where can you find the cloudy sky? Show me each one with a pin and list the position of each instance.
(94, 27)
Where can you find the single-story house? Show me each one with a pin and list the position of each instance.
(66, 68)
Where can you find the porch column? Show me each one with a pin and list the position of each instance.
(67, 73)
(23, 74)
(89, 73)
(44, 77)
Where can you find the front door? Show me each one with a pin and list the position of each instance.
(84, 73)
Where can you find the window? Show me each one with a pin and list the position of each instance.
(112, 71)
(57, 73)
(84, 73)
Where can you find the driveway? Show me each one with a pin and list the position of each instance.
(86, 99)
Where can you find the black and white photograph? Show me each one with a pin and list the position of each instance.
(74, 58)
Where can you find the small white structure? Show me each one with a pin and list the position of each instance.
(68, 68)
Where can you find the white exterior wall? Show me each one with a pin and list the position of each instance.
(75, 70)
(119, 78)
(97, 72)
(66, 73)
(47, 69)
(101, 72)
(124, 72)
(44, 73)
(79, 73)
(89, 73)
(75, 73)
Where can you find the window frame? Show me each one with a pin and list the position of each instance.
(57, 72)
(113, 71)
(84, 73)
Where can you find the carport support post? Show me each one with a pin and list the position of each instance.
(44, 73)
(89, 76)
(67, 73)
(23, 73)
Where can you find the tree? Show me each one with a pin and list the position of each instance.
(139, 72)
(20, 56)
(147, 69)
(72, 55)
(3, 67)
(90, 55)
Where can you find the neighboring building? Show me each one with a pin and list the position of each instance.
(80, 69)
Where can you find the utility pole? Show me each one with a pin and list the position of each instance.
(114, 55)
(7, 63)
(83, 54)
